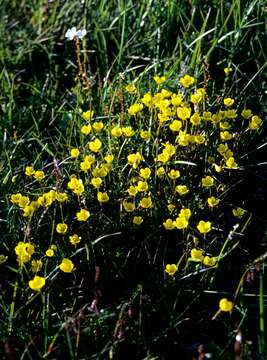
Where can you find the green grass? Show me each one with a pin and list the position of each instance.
(119, 301)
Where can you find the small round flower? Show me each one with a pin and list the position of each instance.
(86, 129)
(238, 212)
(96, 182)
(169, 224)
(82, 215)
(226, 305)
(212, 201)
(36, 265)
(130, 88)
(75, 153)
(146, 202)
(227, 71)
(209, 260)
(29, 171)
(207, 181)
(181, 189)
(228, 101)
(15, 198)
(197, 254)
(23, 201)
(187, 81)
(88, 115)
(174, 174)
(66, 265)
(171, 269)
(159, 79)
(145, 173)
(39, 175)
(137, 220)
(37, 283)
(75, 239)
(50, 252)
(128, 206)
(95, 145)
(98, 126)
(61, 228)
(204, 227)
(145, 135)
(102, 197)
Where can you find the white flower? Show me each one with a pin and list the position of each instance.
(72, 33)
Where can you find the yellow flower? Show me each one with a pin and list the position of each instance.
(74, 153)
(116, 131)
(174, 174)
(187, 81)
(145, 135)
(23, 201)
(255, 122)
(228, 101)
(227, 71)
(226, 135)
(181, 222)
(128, 206)
(238, 212)
(197, 254)
(50, 252)
(207, 181)
(183, 113)
(102, 197)
(29, 171)
(132, 191)
(159, 79)
(147, 100)
(24, 252)
(181, 189)
(246, 113)
(160, 171)
(177, 99)
(145, 173)
(171, 269)
(61, 197)
(39, 175)
(142, 186)
(231, 114)
(135, 108)
(146, 202)
(171, 207)
(83, 215)
(128, 131)
(37, 283)
(195, 119)
(15, 198)
(96, 182)
(134, 159)
(195, 98)
(36, 265)
(109, 158)
(175, 125)
(86, 129)
(28, 211)
(75, 239)
(185, 213)
(66, 266)
(95, 145)
(45, 200)
(212, 201)
(137, 220)
(88, 115)
(226, 305)
(204, 227)
(76, 185)
(207, 115)
(169, 224)
(209, 260)
(98, 126)
(61, 228)
(130, 88)
(230, 163)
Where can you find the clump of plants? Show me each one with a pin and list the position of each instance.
(158, 164)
